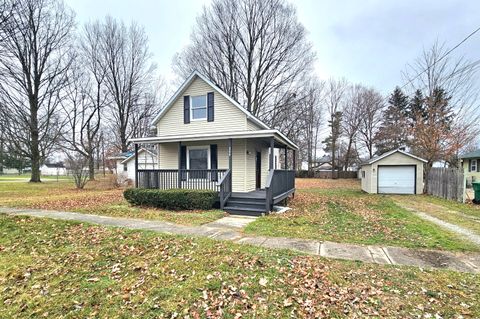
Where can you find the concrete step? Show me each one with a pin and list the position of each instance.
(245, 211)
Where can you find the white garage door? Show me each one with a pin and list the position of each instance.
(396, 179)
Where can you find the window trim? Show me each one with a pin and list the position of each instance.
(198, 108)
(199, 147)
(472, 165)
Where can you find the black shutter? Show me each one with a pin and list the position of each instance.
(214, 161)
(469, 165)
(183, 161)
(210, 107)
(478, 166)
(186, 109)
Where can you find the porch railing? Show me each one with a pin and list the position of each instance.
(280, 184)
(225, 185)
(183, 178)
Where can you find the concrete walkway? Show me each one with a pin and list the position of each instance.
(219, 231)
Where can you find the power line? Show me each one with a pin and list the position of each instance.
(443, 56)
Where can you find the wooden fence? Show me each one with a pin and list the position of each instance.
(447, 183)
(326, 174)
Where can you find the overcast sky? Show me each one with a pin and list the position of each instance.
(368, 41)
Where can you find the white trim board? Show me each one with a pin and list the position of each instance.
(218, 136)
(376, 159)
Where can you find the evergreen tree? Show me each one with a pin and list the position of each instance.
(393, 132)
(416, 108)
(331, 142)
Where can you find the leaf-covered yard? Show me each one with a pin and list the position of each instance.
(99, 197)
(64, 270)
(337, 210)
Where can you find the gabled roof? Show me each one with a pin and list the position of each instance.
(474, 154)
(121, 156)
(132, 156)
(377, 158)
(187, 83)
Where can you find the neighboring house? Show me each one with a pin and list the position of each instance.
(470, 163)
(56, 169)
(206, 140)
(394, 172)
(125, 163)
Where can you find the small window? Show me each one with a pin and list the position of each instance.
(198, 107)
(473, 165)
(124, 167)
(363, 174)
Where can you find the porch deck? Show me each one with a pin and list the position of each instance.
(280, 184)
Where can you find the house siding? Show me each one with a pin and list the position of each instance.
(470, 176)
(228, 117)
(169, 158)
(395, 159)
(252, 126)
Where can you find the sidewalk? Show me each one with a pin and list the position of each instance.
(371, 254)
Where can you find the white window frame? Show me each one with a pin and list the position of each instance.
(206, 108)
(199, 147)
(473, 163)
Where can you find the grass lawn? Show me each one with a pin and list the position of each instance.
(463, 215)
(99, 197)
(339, 211)
(22, 177)
(61, 269)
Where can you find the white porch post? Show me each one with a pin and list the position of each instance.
(272, 153)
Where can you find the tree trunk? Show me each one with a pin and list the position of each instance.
(333, 160)
(91, 168)
(35, 152)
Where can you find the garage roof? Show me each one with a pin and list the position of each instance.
(375, 159)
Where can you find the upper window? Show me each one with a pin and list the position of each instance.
(473, 165)
(198, 105)
(363, 174)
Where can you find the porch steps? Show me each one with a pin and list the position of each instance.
(245, 206)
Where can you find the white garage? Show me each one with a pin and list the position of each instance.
(394, 172)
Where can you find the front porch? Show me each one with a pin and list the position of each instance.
(250, 173)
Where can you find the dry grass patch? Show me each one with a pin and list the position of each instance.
(60, 269)
(348, 215)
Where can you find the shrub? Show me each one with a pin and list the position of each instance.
(172, 199)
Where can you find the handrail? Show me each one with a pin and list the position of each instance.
(180, 178)
(225, 185)
(280, 183)
(220, 182)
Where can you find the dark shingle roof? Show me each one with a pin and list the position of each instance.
(474, 154)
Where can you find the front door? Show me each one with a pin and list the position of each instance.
(258, 171)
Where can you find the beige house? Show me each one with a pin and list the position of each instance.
(206, 140)
(470, 163)
(394, 172)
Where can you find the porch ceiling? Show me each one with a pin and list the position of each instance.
(280, 139)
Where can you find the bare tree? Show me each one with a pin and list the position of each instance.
(76, 163)
(256, 50)
(127, 61)
(82, 106)
(449, 116)
(33, 63)
(335, 96)
(352, 119)
(373, 104)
